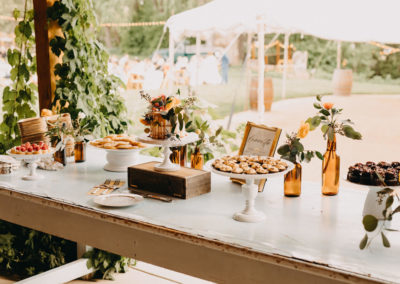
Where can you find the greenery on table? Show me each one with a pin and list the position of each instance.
(19, 99)
(106, 264)
(84, 84)
(330, 125)
(370, 222)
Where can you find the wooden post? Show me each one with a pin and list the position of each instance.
(42, 54)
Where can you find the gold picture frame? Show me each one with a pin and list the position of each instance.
(259, 140)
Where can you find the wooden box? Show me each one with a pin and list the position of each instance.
(184, 183)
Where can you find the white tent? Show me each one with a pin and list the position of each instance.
(340, 20)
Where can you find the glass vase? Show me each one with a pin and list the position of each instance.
(80, 152)
(61, 156)
(292, 182)
(197, 160)
(330, 169)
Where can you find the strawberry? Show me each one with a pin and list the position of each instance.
(35, 147)
(30, 149)
(23, 149)
(27, 144)
(44, 147)
(18, 148)
(41, 143)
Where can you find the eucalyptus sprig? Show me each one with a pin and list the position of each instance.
(293, 150)
(327, 117)
(370, 222)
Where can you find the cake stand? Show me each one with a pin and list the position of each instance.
(167, 165)
(31, 160)
(250, 190)
(118, 160)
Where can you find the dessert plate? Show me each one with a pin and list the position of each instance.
(118, 200)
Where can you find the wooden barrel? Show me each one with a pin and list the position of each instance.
(268, 93)
(342, 82)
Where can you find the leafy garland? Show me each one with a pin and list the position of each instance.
(84, 84)
(19, 99)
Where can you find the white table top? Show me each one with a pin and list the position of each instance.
(312, 228)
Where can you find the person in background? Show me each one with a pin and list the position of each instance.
(224, 68)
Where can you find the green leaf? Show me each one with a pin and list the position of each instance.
(319, 155)
(351, 133)
(324, 128)
(389, 201)
(318, 98)
(370, 223)
(283, 150)
(325, 112)
(317, 106)
(385, 241)
(16, 13)
(364, 242)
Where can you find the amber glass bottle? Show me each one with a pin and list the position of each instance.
(292, 182)
(197, 160)
(61, 156)
(330, 169)
(80, 152)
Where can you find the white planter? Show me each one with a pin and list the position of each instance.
(374, 204)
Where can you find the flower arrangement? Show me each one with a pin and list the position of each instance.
(293, 149)
(80, 128)
(167, 115)
(371, 223)
(328, 116)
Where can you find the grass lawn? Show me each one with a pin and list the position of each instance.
(221, 96)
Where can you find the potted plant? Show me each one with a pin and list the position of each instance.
(327, 118)
(293, 151)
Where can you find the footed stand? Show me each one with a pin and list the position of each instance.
(167, 165)
(249, 213)
(120, 160)
(32, 165)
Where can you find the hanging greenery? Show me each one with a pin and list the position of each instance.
(84, 84)
(19, 99)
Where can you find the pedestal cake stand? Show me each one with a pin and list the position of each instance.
(167, 165)
(250, 191)
(32, 160)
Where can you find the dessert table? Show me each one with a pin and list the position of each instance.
(310, 239)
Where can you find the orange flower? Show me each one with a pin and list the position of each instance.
(328, 106)
(175, 102)
(303, 130)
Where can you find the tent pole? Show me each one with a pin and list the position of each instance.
(261, 69)
(198, 43)
(285, 64)
(339, 54)
(171, 59)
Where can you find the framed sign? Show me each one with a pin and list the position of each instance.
(259, 140)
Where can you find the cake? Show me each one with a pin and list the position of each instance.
(370, 173)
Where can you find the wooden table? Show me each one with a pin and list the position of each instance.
(310, 239)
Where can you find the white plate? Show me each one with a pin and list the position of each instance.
(118, 200)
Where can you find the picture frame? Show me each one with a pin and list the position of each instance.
(259, 140)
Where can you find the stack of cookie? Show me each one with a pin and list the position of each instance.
(117, 142)
(249, 165)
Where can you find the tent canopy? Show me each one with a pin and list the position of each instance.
(342, 20)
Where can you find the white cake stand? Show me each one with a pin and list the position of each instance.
(250, 190)
(32, 160)
(118, 160)
(167, 165)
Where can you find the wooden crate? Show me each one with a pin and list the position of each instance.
(185, 183)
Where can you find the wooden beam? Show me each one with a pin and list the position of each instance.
(42, 54)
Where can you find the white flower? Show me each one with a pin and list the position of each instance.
(81, 115)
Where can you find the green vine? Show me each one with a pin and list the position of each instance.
(106, 264)
(19, 99)
(84, 84)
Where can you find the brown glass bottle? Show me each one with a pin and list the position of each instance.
(80, 152)
(330, 169)
(292, 182)
(61, 156)
(197, 160)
